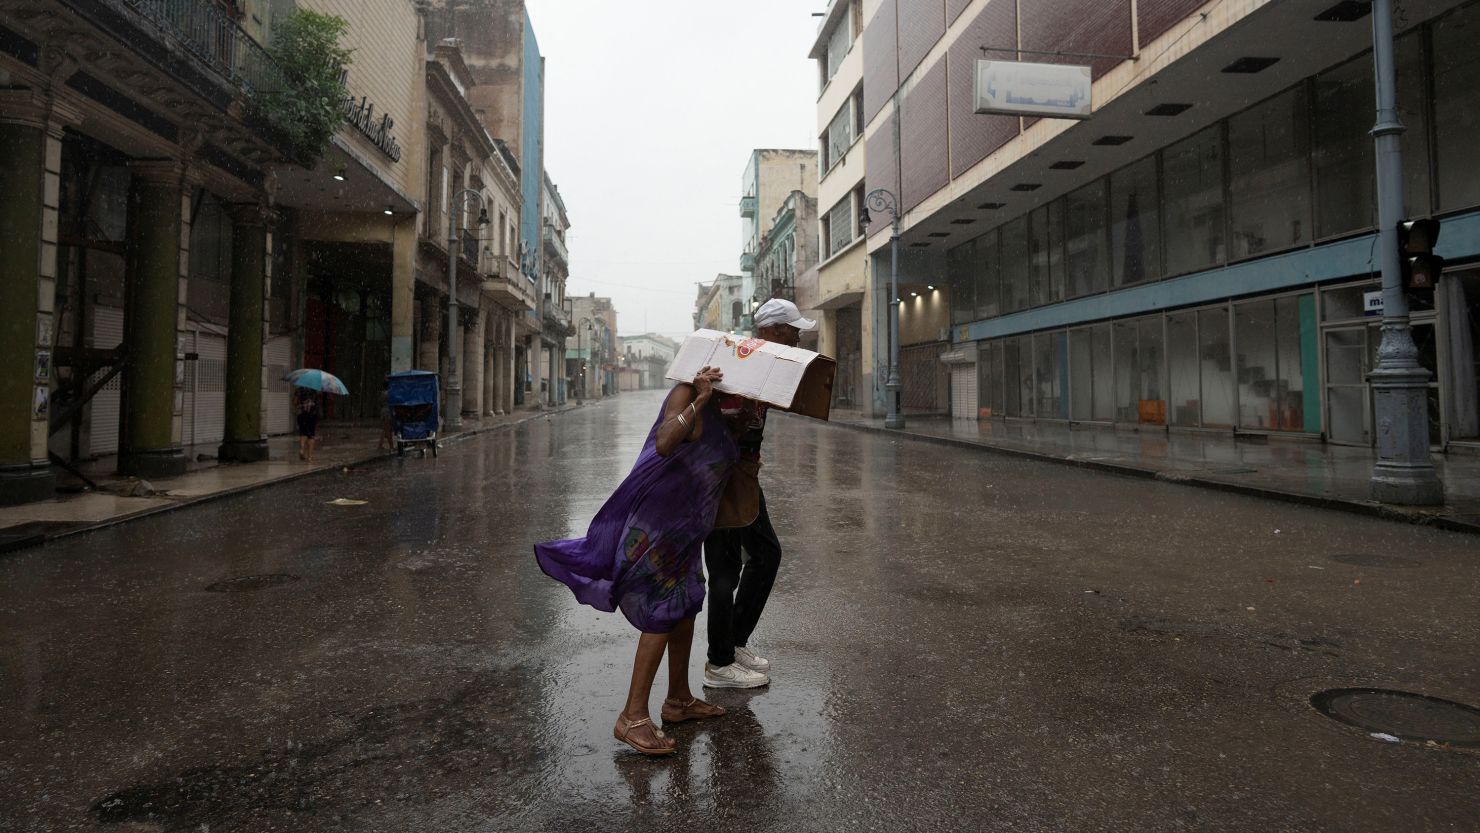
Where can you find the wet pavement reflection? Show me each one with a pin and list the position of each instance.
(960, 640)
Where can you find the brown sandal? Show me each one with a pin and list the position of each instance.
(681, 713)
(623, 731)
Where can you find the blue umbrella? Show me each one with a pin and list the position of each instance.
(315, 379)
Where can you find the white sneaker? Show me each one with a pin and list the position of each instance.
(747, 658)
(733, 675)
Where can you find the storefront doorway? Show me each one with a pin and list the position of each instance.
(1351, 334)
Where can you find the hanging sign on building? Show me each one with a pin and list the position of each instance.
(360, 113)
(1055, 91)
(1372, 303)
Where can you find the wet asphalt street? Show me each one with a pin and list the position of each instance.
(961, 641)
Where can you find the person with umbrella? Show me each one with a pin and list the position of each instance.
(306, 381)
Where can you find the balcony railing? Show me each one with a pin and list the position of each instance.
(556, 244)
(748, 206)
(747, 261)
(205, 31)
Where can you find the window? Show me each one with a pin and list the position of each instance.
(1346, 185)
(838, 43)
(1046, 254)
(839, 225)
(838, 138)
(1192, 179)
(1457, 107)
(960, 263)
(1086, 255)
(1276, 341)
(1015, 265)
(1049, 355)
(1135, 224)
(857, 102)
(1270, 165)
(988, 271)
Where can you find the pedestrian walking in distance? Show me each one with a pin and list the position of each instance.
(308, 424)
(643, 554)
(739, 586)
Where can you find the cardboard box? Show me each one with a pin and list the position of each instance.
(788, 378)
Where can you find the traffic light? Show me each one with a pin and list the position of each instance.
(1421, 267)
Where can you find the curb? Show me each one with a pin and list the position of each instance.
(1370, 509)
(459, 437)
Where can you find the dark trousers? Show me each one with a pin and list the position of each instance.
(739, 587)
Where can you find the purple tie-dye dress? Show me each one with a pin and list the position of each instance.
(643, 550)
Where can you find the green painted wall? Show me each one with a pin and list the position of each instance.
(149, 333)
(21, 162)
(244, 338)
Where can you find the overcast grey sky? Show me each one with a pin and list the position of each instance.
(651, 110)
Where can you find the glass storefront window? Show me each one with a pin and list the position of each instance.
(1025, 375)
(1046, 263)
(1258, 373)
(1183, 371)
(989, 379)
(1192, 182)
(1346, 179)
(960, 262)
(988, 276)
(1086, 255)
(1135, 223)
(1015, 265)
(1104, 379)
(1012, 400)
(1049, 354)
(1268, 149)
(1126, 362)
(1277, 353)
(1215, 355)
(1081, 374)
(1346, 189)
(1457, 107)
(1151, 372)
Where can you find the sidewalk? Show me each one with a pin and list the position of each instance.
(340, 445)
(1319, 474)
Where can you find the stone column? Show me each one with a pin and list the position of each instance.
(251, 265)
(157, 252)
(432, 314)
(472, 399)
(490, 362)
(403, 293)
(30, 181)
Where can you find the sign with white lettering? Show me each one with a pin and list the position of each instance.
(1372, 303)
(1055, 91)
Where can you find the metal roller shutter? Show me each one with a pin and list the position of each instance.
(104, 411)
(963, 391)
(279, 393)
(205, 389)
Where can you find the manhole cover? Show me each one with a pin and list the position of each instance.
(1402, 714)
(242, 584)
(1368, 559)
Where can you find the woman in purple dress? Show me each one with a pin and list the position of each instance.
(643, 554)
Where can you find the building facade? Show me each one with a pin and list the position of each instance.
(724, 304)
(645, 359)
(771, 175)
(835, 293)
(1197, 255)
(591, 350)
(555, 267)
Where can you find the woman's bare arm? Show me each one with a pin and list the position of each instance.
(681, 418)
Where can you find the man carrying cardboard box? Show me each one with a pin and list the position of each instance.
(738, 588)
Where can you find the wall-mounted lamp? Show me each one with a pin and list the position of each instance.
(931, 288)
(389, 212)
(339, 173)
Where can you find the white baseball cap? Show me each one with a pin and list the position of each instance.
(778, 311)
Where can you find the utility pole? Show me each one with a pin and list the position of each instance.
(1404, 472)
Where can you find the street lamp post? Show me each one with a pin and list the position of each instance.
(881, 199)
(581, 365)
(1404, 472)
(454, 246)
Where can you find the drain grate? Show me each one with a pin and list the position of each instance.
(1402, 714)
(1369, 559)
(243, 584)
